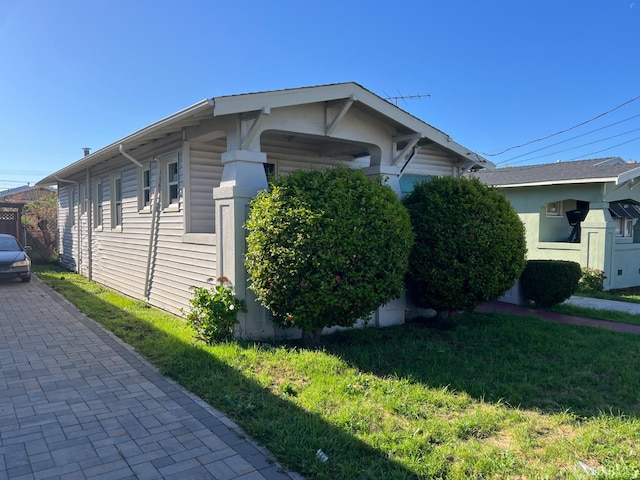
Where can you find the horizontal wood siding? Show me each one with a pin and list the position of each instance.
(288, 160)
(432, 162)
(205, 174)
(119, 255)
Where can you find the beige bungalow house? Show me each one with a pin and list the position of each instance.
(584, 211)
(162, 210)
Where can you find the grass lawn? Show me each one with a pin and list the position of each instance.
(498, 396)
(608, 315)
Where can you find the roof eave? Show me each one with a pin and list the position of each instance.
(129, 141)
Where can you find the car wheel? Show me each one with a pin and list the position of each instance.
(26, 279)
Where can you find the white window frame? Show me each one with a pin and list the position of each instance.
(71, 199)
(116, 201)
(82, 199)
(168, 202)
(98, 204)
(554, 209)
(144, 190)
(624, 227)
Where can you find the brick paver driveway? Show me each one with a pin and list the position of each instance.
(75, 403)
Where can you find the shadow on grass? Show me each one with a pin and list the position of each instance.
(290, 433)
(522, 361)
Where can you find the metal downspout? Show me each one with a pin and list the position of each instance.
(89, 209)
(154, 209)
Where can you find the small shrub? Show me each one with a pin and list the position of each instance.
(549, 282)
(214, 311)
(591, 281)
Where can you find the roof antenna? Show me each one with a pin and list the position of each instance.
(404, 98)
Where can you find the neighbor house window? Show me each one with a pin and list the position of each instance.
(116, 201)
(145, 189)
(554, 209)
(98, 204)
(624, 227)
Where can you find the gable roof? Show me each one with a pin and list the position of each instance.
(597, 170)
(30, 193)
(250, 102)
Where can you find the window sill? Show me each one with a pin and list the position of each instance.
(199, 238)
(117, 228)
(171, 208)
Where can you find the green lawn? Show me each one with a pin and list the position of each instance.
(498, 396)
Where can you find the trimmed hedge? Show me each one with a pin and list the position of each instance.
(549, 282)
(327, 247)
(470, 244)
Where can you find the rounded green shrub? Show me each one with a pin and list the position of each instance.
(549, 282)
(470, 244)
(326, 247)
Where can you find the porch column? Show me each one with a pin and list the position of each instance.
(392, 313)
(391, 173)
(242, 177)
(598, 240)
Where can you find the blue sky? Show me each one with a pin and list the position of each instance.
(499, 73)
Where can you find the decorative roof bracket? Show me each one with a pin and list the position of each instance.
(403, 155)
(253, 130)
(346, 105)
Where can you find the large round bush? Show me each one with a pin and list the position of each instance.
(470, 244)
(326, 247)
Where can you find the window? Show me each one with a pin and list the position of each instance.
(98, 204)
(116, 201)
(144, 188)
(554, 209)
(624, 227)
(70, 192)
(82, 200)
(170, 168)
(172, 183)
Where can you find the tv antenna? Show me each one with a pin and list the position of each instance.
(404, 98)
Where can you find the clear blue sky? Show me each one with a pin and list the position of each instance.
(499, 73)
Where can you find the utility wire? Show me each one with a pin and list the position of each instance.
(605, 149)
(580, 146)
(562, 131)
(563, 141)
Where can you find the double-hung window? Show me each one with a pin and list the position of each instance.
(98, 204)
(144, 189)
(116, 201)
(624, 227)
(171, 181)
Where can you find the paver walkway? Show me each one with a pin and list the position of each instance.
(76, 403)
(571, 319)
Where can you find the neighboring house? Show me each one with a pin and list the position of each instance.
(12, 202)
(163, 209)
(585, 211)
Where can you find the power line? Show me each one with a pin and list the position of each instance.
(562, 131)
(605, 149)
(580, 146)
(563, 141)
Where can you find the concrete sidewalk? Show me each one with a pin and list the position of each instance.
(77, 403)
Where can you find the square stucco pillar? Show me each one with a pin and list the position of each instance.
(392, 313)
(598, 234)
(243, 177)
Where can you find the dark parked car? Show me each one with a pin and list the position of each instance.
(14, 261)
